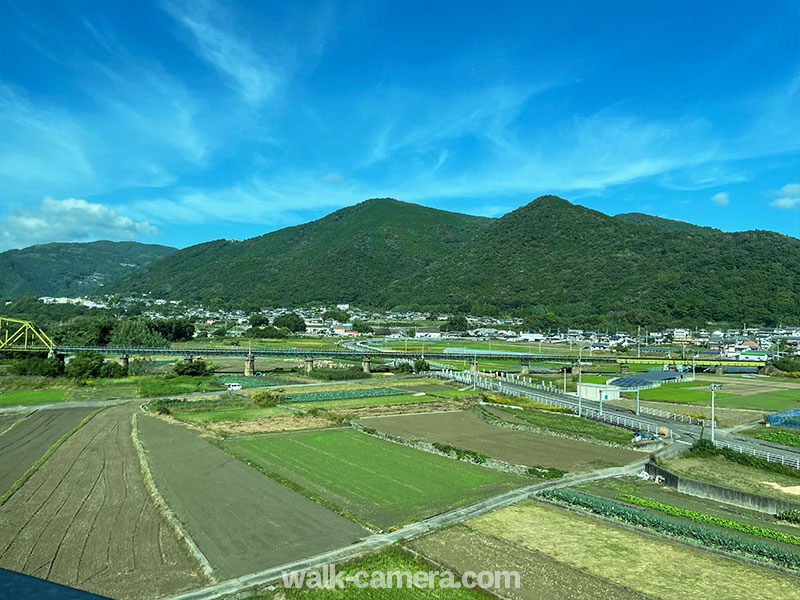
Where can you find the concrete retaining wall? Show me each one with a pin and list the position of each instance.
(700, 489)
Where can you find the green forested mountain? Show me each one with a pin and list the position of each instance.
(553, 256)
(69, 269)
(661, 222)
(351, 254)
(549, 256)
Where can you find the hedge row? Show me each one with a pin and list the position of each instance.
(704, 534)
(461, 453)
(677, 511)
(343, 395)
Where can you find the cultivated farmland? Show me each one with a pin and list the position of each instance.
(462, 548)
(466, 430)
(85, 519)
(242, 520)
(653, 566)
(29, 440)
(378, 482)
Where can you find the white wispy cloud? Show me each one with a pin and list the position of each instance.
(68, 220)
(721, 199)
(787, 197)
(216, 41)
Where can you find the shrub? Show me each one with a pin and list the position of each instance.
(37, 366)
(267, 398)
(84, 366)
(195, 368)
(112, 370)
(792, 515)
(461, 453)
(545, 472)
(704, 448)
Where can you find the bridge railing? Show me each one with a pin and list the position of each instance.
(545, 395)
(777, 457)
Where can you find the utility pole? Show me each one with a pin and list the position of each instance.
(637, 401)
(714, 388)
(565, 380)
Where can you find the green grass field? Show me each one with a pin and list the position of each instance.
(14, 397)
(378, 482)
(775, 400)
(571, 425)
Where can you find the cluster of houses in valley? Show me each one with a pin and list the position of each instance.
(747, 343)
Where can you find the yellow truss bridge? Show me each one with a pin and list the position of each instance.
(16, 334)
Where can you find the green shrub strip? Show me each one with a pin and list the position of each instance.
(677, 511)
(343, 395)
(792, 515)
(35, 467)
(704, 448)
(787, 438)
(704, 534)
(461, 453)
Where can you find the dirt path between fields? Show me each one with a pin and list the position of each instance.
(240, 519)
(85, 519)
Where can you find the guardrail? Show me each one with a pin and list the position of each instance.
(547, 395)
(784, 459)
(665, 414)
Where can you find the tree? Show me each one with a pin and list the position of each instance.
(112, 370)
(136, 332)
(267, 332)
(290, 321)
(84, 366)
(37, 366)
(258, 320)
(421, 365)
(336, 315)
(403, 368)
(361, 327)
(193, 368)
(173, 330)
(458, 323)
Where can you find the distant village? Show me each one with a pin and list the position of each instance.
(746, 343)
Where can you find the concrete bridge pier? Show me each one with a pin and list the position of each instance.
(365, 364)
(473, 366)
(719, 370)
(576, 368)
(309, 364)
(762, 370)
(673, 367)
(250, 366)
(124, 360)
(525, 368)
(624, 368)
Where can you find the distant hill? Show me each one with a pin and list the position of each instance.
(351, 254)
(661, 222)
(551, 255)
(71, 269)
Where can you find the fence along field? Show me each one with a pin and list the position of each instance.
(85, 519)
(378, 482)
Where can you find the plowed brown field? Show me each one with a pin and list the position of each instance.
(85, 519)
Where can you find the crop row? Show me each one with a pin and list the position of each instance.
(792, 515)
(677, 511)
(788, 438)
(343, 395)
(245, 381)
(704, 534)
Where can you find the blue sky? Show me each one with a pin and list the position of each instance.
(179, 122)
